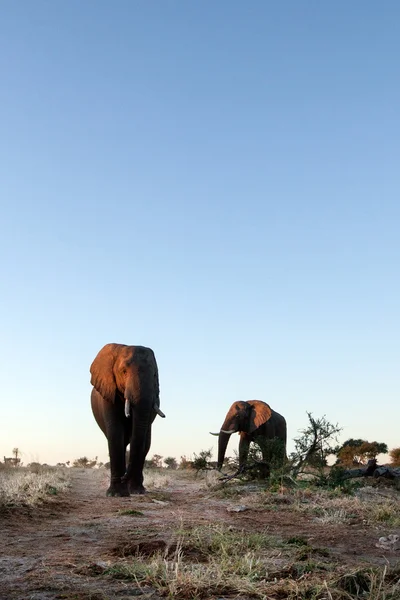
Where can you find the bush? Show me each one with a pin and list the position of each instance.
(272, 451)
(185, 463)
(171, 462)
(265, 456)
(156, 461)
(85, 462)
(201, 462)
(35, 467)
(395, 457)
(25, 488)
(313, 447)
(359, 452)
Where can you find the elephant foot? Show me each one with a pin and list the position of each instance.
(136, 489)
(117, 490)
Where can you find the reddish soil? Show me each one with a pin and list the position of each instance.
(56, 553)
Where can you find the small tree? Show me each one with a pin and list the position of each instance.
(157, 461)
(171, 462)
(16, 459)
(313, 447)
(185, 463)
(80, 462)
(92, 463)
(359, 452)
(395, 457)
(85, 462)
(272, 451)
(265, 456)
(201, 461)
(35, 467)
(347, 456)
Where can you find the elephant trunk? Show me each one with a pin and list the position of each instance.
(131, 392)
(132, 395)
(223, 440)
(229, 426)
(141, 427)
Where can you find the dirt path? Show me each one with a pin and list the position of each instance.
(55, 554)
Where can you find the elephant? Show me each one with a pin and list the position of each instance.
(125, 401)
(252, 419)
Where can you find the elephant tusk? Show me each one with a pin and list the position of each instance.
(127, 408)
(217, 434)
(158, 411)
(229, 432)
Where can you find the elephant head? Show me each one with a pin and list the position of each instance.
(244, 417)
(117, 369)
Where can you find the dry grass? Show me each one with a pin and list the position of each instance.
(21, 487)
(156, 480)
(325, 506)
(204, 561)
(330, 510)
(212, 561)
(387, 512)
(199, 557)
(211, 479)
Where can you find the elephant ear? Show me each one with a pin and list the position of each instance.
(102, 373)
(260, 414)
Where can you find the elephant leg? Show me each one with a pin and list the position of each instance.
(135, 481)
(244, 446)
(139, 446)
(264, 452)
(147, 445)
(265, 469)
(115, 433)
(117, 448)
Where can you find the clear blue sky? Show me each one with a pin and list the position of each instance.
(216, 180)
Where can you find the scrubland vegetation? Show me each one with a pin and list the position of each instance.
(305, 532)
(192, 557)
(220, 559)
(216, 560)
(31, 486)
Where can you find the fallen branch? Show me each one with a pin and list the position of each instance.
(246, 468)
(225, 477)
(372, 470)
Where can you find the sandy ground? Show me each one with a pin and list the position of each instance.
(54, 553)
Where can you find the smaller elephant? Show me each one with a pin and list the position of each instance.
(253, 419)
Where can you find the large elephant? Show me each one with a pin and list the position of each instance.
(252, 419)
(125, 401)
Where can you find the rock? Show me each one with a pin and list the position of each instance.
(238, 508)
(391, 542)
(395, 541)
